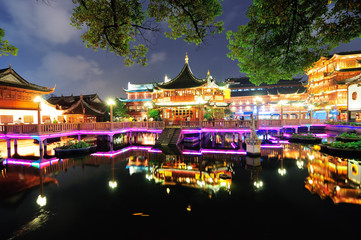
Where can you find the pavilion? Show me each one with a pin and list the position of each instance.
(187, 97)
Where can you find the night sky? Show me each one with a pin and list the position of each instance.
(51, 51)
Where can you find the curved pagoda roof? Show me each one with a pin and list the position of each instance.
(9, 78)
(185, 79)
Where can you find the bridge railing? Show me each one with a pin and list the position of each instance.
(68, 127)
(99, 126)
(216, 124)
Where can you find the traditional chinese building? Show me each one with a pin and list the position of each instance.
(17, 97)
(268, 101)
(139, 97)
(187, 97)
(82, 108)
(327, 89)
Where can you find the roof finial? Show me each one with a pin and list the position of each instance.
(186, 59)
(10, 65)
(208, 73)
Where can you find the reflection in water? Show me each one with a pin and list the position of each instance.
(39, 221)
(211, 176)
(333, 177)
(194, 182)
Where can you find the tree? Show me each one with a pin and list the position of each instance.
(119, 110)
(124, 26)
(284, 38)
(5, 47)
(154, 113)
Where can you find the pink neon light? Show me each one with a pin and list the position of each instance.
(221, 151)
(36, 163)
(22, 136)
(271, 146)
(123, 150)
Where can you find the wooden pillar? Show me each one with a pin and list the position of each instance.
(45, 146)
(8, 143)
(41, 150)
(111, 142)
(213, 139)
(281, 117)
(15, 147)
(130, 138)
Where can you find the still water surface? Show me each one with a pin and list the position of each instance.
(291, 192)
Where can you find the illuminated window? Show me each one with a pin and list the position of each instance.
(28, 118)
(6, 118)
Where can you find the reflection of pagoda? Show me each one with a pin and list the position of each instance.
(327, 177)
(194, 175)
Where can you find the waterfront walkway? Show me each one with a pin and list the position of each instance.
(42, 132)
(39, 130)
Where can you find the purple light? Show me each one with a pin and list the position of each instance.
(271, 146)
(126, 149)
(37, 163)
(76, 132)
(220, 151)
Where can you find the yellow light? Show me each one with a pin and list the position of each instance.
(110, 102)
(227, 94)
(41, 201)
(113, 184)
(38, 99)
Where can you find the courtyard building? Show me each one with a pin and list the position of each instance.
(79, 109)
(284, 100)
(327, 88)
(17, 100)
(138, 101)
(188, 98)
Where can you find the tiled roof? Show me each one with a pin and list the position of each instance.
(8, 77)
(185, 79)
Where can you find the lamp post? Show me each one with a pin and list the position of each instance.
(38, 100)
(148, 105)
(257, 100)
(111, 102)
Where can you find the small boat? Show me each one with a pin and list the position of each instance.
(59, 152)
(310, 140)
(225, 176)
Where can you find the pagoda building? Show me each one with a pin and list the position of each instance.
(139, 97)
(268, 101)
(187, 97)
(79, 109)
(17, 98)
(327, 83)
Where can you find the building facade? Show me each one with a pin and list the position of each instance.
(327, 88)
(17, 99)
(187, 97)
(138, 101)
(283, 100)
(79, 109)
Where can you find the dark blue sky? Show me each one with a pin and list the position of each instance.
(51, 52)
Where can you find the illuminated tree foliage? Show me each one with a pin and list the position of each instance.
(124, 26)
(5, 47)
(285, 37)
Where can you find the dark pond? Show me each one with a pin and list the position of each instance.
(290, 192)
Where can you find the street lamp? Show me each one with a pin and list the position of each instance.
(38, 100)
(111, 102)
(257, 100)
(148, 105)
